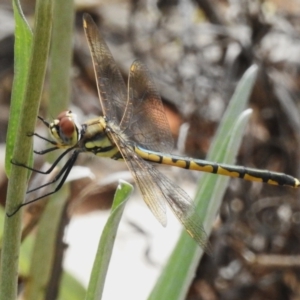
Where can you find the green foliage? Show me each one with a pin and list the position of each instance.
(106, 243)
(184, 260)
(23, 43)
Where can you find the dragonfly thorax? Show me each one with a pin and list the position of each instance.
(65, 129)
(98, 138)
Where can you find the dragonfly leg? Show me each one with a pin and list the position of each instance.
(43, 172)
(42, 152)
(42, 137)
(47, 124)
(66, 170)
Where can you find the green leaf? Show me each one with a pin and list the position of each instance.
(59, 86)
(180, 269)
(100, 267)
(44, 246)
(61, 57)
(22, 151)
(71, 288)
(23, 41)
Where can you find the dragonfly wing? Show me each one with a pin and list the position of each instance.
(183, 207)
(156, 189)
(152, 195)
(146, 124)
(110, 84)
(138, 111)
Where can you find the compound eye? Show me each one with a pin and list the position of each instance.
(66, 127)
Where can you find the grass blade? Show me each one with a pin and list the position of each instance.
(44, 246)
(98, 275)
(22, 151)
(22, 47)
(61, 57)
(180, 269)
(44, 279)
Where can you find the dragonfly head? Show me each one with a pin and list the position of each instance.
(65, 129)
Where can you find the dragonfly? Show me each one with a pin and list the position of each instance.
(134, 129)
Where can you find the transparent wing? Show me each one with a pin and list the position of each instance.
(183, 207)
(138, 111)
(141, 173)
(110, 84)
(156, 189)
(146, 121)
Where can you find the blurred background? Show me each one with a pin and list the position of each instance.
(196, 51)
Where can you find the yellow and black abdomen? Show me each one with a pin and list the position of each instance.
(265, 176)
